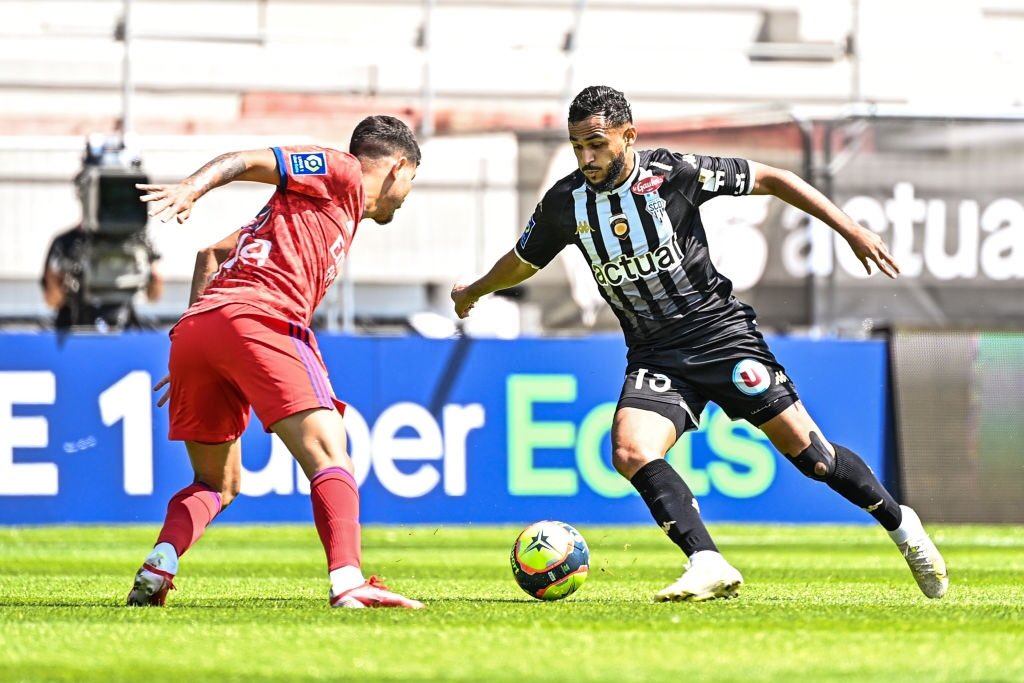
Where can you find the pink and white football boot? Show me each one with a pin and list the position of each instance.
(373, 593)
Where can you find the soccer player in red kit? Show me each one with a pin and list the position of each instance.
(245, 341)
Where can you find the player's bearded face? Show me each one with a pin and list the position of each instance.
(600, 152)
(611, 176)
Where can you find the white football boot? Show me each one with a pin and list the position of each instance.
(154, 578)
(926, 563)
(707, 576)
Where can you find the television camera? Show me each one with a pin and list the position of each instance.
(111, 263)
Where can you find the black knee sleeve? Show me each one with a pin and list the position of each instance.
(815, 461)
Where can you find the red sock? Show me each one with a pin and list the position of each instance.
(189, 512)
(335, 499)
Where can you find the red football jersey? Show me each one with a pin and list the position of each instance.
(287, 256)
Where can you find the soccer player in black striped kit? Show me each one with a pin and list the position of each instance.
(635, 216)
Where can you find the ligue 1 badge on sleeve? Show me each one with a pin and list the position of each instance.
(308, 163)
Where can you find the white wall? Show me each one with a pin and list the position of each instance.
(197, 63)
(461, 214)
(673, 58)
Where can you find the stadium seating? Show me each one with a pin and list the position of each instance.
(308, 69)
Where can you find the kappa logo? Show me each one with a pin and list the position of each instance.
(647, 185)
(620, 226)
(690, 159)
(582, 228)
(780, 377)
(751, 377)
(667, 526)
(308, 163)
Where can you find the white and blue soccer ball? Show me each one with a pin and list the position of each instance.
(550, 560)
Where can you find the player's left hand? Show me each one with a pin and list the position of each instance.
(165, 382)
(869, 248)
(169, 201)
(463, 300)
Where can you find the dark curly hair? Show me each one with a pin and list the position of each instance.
(601, 100)
(381, 136)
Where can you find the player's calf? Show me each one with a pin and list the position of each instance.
(849, 476)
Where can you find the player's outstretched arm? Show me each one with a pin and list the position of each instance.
(794, 190)
(507, 272)
(176, 200)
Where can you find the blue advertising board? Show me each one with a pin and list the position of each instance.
(440, 431)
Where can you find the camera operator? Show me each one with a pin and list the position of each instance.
(94, 271)
(66, 293)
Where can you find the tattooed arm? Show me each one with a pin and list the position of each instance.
(176, 200)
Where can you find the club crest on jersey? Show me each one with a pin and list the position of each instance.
(308, 163)
(647, 185)
(656, 207)
(620, 226)
(751, 377)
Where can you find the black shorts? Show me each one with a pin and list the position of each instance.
(741, 375)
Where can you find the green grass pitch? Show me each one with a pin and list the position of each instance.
(819, 604)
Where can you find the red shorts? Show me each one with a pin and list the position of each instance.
(227, 359)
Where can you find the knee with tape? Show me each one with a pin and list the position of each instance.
(815, 461)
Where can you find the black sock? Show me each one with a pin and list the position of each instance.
(854, 481)
(673, 506)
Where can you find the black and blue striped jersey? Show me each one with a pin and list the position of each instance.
(646, 245)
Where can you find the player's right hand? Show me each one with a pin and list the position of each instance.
(165, 382)
(169, 201)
